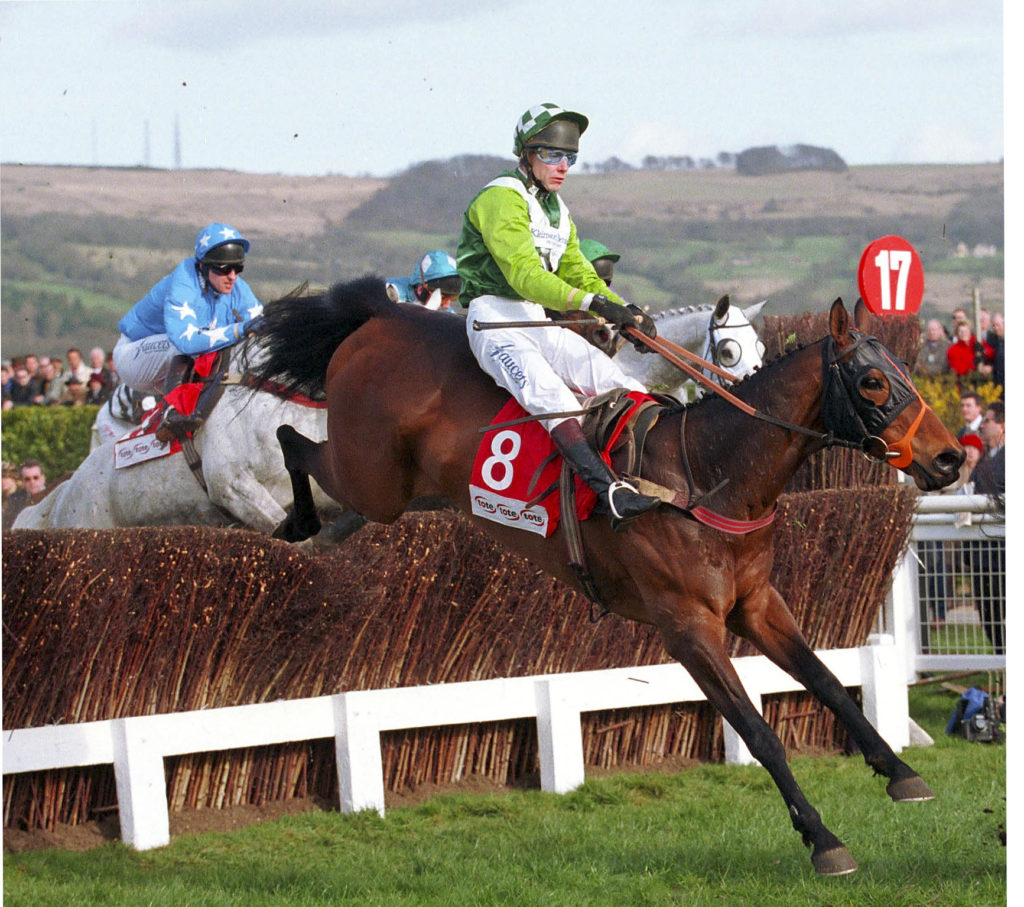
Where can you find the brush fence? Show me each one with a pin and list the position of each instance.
(242, 671)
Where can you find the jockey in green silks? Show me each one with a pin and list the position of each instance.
(518, 255)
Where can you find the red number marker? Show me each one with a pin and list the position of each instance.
(890, 277)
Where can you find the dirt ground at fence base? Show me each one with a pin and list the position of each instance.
(188, 822)
(198, 821)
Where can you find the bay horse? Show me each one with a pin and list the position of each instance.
(407, 400)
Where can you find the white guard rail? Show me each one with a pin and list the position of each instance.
(137, 746)
(955, 520)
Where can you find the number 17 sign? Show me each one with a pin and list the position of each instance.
(890, 277)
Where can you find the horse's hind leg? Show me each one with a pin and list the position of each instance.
(700, 647)
(300, 455)
(768, 624)
(347, 523)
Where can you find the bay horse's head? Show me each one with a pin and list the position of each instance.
(871, 403)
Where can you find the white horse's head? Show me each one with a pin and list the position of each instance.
(732, 342)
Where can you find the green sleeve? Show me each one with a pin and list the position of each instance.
(503, 220)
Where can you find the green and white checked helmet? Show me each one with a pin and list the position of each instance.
(551, 126)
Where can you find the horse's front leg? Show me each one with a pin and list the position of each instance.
(766, 621)
(699, 644)
(303, 522)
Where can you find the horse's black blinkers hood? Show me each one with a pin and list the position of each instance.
(847, 414)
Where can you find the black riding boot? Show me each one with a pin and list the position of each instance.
(622, 501)
(175, 424)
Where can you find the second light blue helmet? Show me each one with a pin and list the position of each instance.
(435, 268)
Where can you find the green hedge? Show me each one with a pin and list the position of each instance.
(56, 436)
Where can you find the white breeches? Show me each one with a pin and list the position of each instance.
(143, 364)
(541, 367)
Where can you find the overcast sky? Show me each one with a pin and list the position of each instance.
(358, 87)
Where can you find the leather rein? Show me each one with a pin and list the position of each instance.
(872, 447)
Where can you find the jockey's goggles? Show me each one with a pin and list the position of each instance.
(224, 270)
(554, 156)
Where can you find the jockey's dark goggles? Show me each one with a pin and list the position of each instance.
(554, 156)
(224, 270)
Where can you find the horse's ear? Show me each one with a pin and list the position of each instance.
(862, 316)
(754, 310)
(839, 324)
(721, 308)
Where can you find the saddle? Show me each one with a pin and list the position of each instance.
(615, 423)
(612, 420)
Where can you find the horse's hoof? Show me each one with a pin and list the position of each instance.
(909, 790)
(834, 862)
(287, 532)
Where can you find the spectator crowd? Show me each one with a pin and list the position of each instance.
(975, 362)
(33, 380)
(958, 350)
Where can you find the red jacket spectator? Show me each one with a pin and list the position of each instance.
(966, 353)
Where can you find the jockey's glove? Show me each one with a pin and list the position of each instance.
(612, 312)
(644, 324)
(253, 325)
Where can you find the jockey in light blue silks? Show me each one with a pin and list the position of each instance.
(518, 255)
(201, 306)
(435, 282)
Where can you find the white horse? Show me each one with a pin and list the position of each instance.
(722, 334)
(241, 465)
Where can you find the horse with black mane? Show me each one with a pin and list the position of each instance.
(407, 401)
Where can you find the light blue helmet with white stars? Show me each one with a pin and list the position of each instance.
(220, 244)
(434, 266)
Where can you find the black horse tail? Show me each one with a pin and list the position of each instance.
(301, 331)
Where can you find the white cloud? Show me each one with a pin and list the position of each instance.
(228, 23)
(662, 138)
(808, 19)
(946, 144)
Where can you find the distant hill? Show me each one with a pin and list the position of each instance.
(772, 159)
(81, 244)
(432, 195)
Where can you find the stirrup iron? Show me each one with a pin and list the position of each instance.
(618, 485)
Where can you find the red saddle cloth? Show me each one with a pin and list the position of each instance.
(505, 474)
(141, 445)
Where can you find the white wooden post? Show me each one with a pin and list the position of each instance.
(736, 751)
(902, 599)
(141, 787)
(884, 690)
(559, 737)
(357, 751)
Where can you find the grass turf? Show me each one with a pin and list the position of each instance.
(712, 835)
